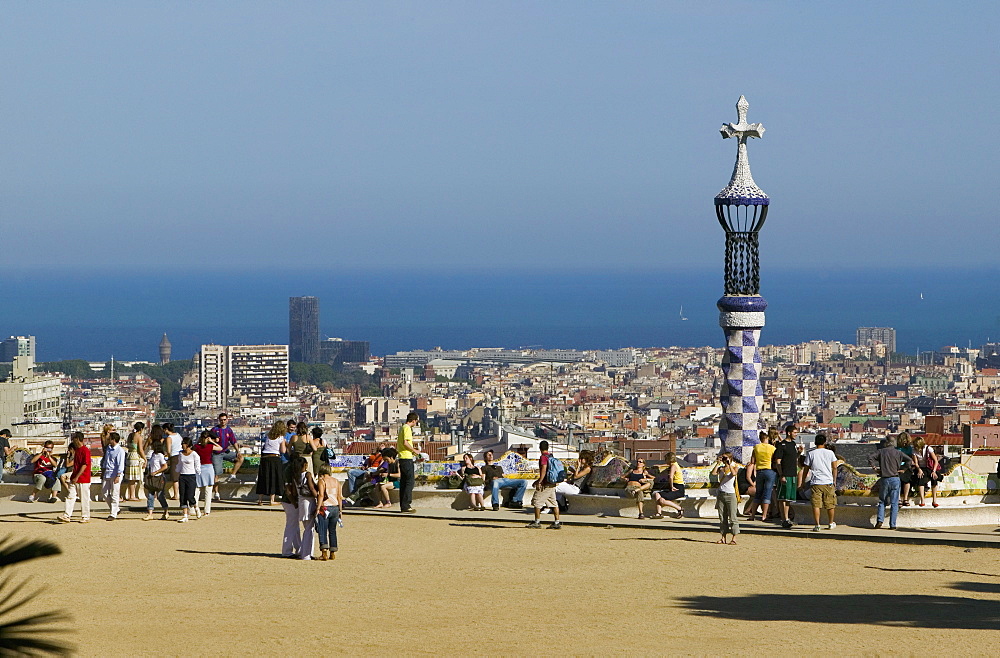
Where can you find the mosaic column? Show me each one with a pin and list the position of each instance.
(741, 208)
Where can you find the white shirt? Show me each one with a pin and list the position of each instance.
(188, 464)
(156, 462)
(727, 482)
(175, 443)
(820, 462)
(271, 446)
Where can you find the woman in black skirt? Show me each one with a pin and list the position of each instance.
(270, 478)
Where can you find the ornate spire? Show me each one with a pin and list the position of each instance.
(742, 190)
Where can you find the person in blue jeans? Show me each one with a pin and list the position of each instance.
(327, 512)
(766, 475)
(493, 478)
(371, 463)
(888, 463)
(888, 496)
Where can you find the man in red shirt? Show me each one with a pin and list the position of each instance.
(79, 482)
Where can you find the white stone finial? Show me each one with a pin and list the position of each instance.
(741, 129)
(742, 190)
(741, 108)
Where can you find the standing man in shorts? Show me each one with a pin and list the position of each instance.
(545, 491)
(786, 462)
(226, 438)
(820, 464)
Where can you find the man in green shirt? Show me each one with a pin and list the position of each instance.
(407, 453)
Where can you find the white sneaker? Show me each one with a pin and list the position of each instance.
(816, 528)
(31, 498)
(831, 526)
(185, 520)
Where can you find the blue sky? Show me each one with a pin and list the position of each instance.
(493, 135)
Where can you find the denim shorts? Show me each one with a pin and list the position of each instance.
(765, 483)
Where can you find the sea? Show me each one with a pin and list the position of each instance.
(99, 312)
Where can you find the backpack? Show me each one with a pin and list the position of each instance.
(556, 472)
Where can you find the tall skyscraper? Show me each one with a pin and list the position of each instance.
(303, 329)
(884, 335)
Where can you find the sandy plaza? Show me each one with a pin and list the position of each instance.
(417, 586)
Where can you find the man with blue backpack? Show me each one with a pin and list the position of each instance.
(550, 473)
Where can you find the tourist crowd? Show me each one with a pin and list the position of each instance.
(166, 466)
(295, 468)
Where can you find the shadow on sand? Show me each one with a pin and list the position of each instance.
(697, 541)
(982, 588)
(234, 553)
(968, 573)
(906, 611)
(33, 517)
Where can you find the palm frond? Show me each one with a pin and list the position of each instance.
(33, 634)
(13, 551)
(37, 634)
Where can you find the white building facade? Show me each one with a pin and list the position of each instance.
(257, 375)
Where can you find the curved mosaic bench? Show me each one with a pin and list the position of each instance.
(607, 473)
(958, 480)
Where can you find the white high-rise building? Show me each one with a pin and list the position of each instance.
(30, 404)
(258, 373)
(212, 375)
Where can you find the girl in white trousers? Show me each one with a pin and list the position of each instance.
(306, 509)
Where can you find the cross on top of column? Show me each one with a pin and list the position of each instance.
(742, 190)
(741, 129)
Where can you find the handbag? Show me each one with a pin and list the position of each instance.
(291, 493)
(474, 481)
(155, 483)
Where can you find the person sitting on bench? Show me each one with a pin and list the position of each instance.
(495, 480)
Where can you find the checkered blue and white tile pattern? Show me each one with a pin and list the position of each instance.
(742, 396)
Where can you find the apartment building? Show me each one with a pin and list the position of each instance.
(257, 374)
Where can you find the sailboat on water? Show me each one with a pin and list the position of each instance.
(682, 313)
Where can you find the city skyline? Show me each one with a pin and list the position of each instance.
(92, 317)
(214, 125)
